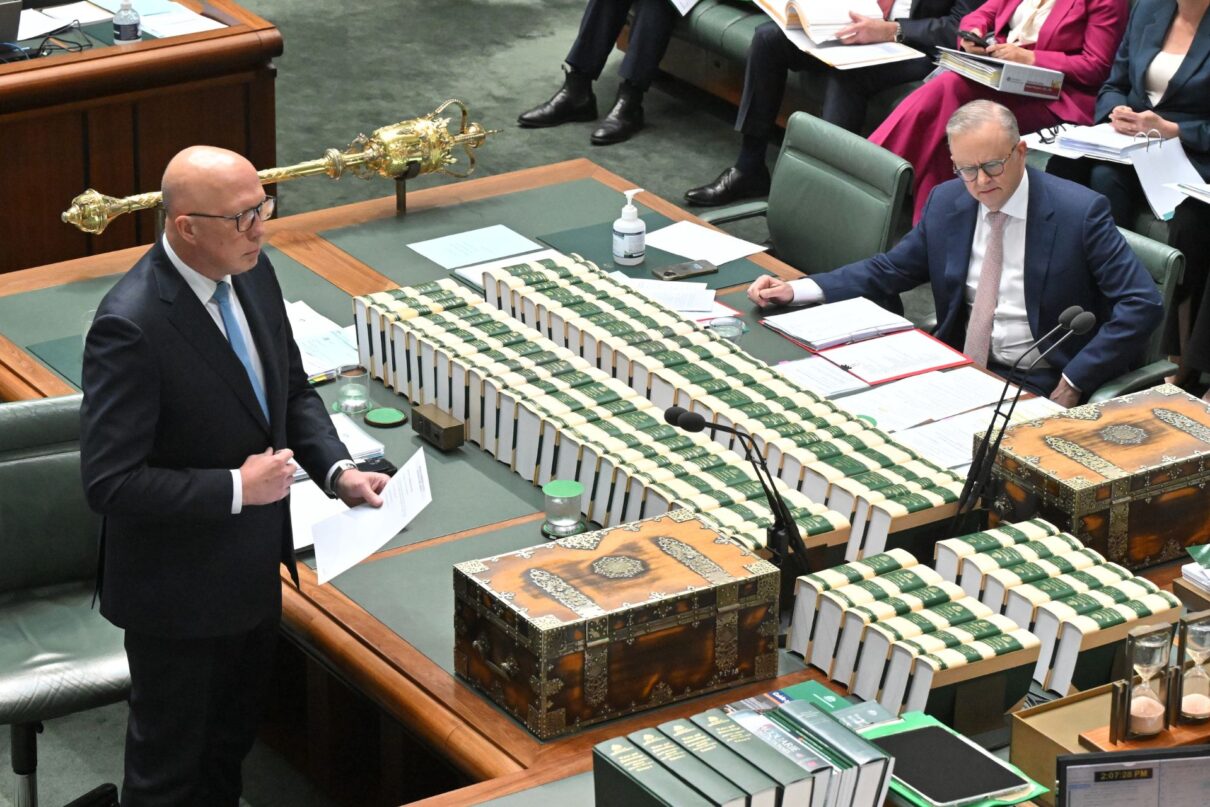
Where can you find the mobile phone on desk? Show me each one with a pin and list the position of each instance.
(680, 271)
(984, 42)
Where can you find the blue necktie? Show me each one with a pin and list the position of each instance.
(236, 337)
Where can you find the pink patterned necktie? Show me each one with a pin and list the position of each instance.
(979, 327)
(885, 5)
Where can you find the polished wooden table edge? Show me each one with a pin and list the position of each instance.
(252, 40)
(510, 783)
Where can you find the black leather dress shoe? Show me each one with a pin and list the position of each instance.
(623, 121)
(730, 186)
(575, 101)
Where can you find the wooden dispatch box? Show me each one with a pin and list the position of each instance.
(602, 624)
(1127, 476)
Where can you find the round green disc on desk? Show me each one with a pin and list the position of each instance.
(385, 417)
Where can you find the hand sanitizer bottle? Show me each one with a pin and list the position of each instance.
(126, 28)
(629, 234)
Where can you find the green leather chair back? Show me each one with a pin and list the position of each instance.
(1167, 267)
(47, 533)
(835, 196)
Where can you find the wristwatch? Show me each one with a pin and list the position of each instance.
(898, 33)
(341, 467)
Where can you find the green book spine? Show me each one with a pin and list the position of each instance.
(692, 771)
(624, 775)
(737, 770)
(749, 746)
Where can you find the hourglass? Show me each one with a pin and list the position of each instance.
(1149, 650)
(1195, 684)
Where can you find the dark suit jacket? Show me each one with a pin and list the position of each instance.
(1186, 102)
(168, 411)
(1073, 256)
(934, 22)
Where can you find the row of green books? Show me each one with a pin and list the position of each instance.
(549, 414)
(788, 752)
(809, 443)
(891, 629)
(1075, 602)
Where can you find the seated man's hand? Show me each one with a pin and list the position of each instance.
(866, 30)
(1065, 394)
(1011, 53)
(266, 477)
(356, 487)
(768, 290)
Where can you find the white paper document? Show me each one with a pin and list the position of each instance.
(838, 323)
(345, 539)
(146, 8)
(35, 24)
(1160, 166)
(1194, 190)
(690, 298)
(323, 344)
(895, 356)
(475, 246)
(178, 22)
(473, 274)
(930, 396)
(821, 376)
(717, 309)
(950, 442)
(360, 444)
(685, 6)
(308, 506)
(85, 13)
(698, 243)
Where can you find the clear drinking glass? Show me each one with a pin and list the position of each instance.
(353, 397)
(563, 508)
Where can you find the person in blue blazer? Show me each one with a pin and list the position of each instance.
(1006, 249)
(1160, 82)
(195, 402)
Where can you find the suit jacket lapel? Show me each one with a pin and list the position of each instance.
(191, 319)
(1053, 20)
(1151, 39)
(1039, 236)
(1199, 50)
(961, 229)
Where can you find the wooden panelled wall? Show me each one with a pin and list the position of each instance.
(111, 118)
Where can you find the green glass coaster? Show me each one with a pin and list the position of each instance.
(385, 417)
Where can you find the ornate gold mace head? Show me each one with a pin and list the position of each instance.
(423, 145)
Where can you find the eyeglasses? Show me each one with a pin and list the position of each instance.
(244, 219)
(993, 168)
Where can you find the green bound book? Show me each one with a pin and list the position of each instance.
(761, 789)
(711, 784)
(623, 776)
(790, 777)
(869, 766)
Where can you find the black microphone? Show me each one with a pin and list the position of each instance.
(783, 535)
(1077, 322)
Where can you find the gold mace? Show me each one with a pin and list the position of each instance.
(402, 150)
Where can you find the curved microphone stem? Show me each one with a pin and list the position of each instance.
(980, 471)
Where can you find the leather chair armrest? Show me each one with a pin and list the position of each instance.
(744, 210)
(1147, 376)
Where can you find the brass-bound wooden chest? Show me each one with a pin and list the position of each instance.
(1128, 476)
(606, 623)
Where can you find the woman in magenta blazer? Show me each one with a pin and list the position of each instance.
(1077, 37)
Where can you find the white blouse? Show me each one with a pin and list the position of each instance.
(1161, 70)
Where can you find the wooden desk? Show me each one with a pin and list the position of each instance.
(459, 723)
(110, 118)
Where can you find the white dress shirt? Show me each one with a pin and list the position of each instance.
(1161, 70)
(1011, 334)
(1027, 21)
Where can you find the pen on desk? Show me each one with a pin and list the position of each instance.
(328, 376)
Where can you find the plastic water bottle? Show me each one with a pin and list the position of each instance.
(126, 27)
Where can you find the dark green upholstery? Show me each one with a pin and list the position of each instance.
(721, 31)
(57, 654)
(1166, 266)
(834, 199)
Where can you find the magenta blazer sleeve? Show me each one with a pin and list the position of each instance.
(984, 17)
(1080, 38)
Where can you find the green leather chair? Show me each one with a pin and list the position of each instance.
(57, 654)
(835, 197)
(1167, 266)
